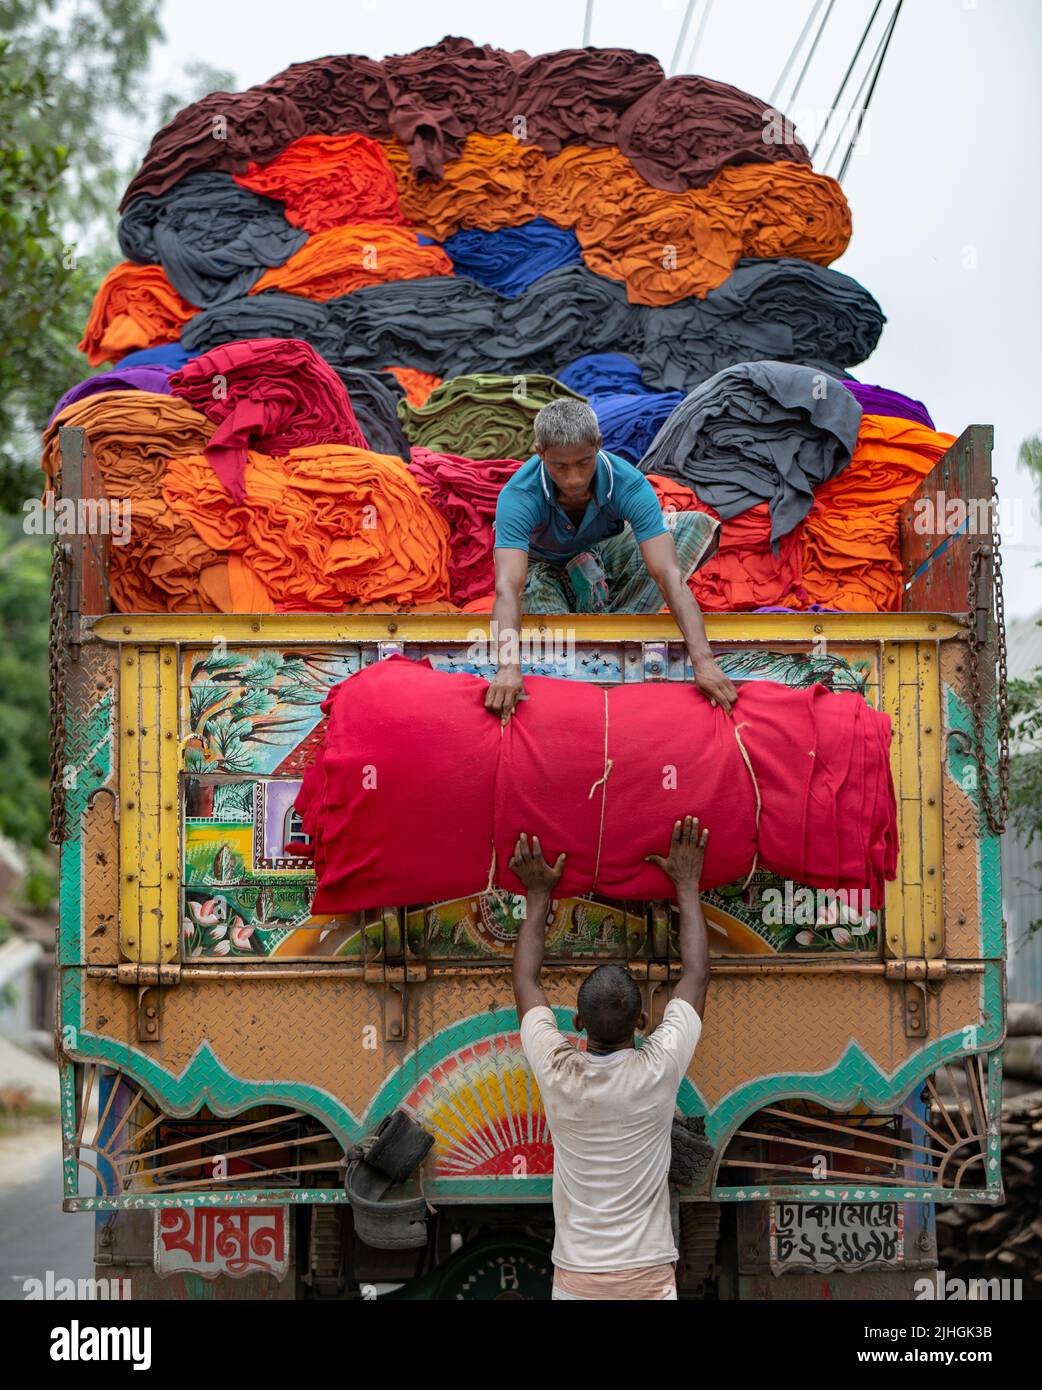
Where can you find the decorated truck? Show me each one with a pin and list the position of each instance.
(225, 1052)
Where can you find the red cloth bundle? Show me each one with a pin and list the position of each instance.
(465, 491)
(327, 180)
(268, 394)
(744, 573)
(417, 783)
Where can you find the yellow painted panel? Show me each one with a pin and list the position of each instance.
(130, 804)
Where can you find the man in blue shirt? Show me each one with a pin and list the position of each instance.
(581, 530)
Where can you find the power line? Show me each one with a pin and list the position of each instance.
(846, 78)
(587, 23)
(868, 100)
(795, 49)
(698, 37)
(810, 55)
(682, 37)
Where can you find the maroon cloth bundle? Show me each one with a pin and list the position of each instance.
(577, 95)
(270, 394)
(465, 491)
(684, 131)
(447, 91)
(225, 130)
(418, 793)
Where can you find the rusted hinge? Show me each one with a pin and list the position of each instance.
(149, 980)
(917, 968)
(916, 975)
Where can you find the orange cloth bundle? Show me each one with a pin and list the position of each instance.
(346, 258)
(489, 186)
(417, 385)
(744, 573)
(166, 567)
(326, 180)
(786, 210)
(851, 539)
(132, 433)
(135, 306)
(321, 530)
(663, 246)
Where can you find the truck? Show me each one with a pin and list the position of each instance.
(224, 1053)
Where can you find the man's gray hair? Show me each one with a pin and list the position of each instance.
(563, 424)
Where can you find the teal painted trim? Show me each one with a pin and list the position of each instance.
(70, 1163)
(240, 1197)
(96, 736)
(962, 769)
(205, 1081)
(854, 1194)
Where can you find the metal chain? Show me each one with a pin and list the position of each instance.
(996, 807)
(57, 650)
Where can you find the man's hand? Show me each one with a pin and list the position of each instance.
(532, 869)
(504, 692)
(687, 850)
(714, 685)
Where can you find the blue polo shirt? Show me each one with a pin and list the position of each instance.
(529, 517)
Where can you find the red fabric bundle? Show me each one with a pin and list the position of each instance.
(745, 573)
(465, 491)
(268, 394)
(417, 782)
(327, 180)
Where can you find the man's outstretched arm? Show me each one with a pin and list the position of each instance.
(683, 864)
(660, 557)
(507, 687)
(539, 879)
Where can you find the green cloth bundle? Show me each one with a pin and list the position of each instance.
(481, 416)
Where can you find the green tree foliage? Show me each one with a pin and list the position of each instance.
(76, 112)
(25, 572)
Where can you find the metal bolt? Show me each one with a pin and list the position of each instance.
(126, 629)
(150, 1012)
(931, 870)
(150, 1027)
(130, 805)
(130, 661)
(392, 627)
(130, 733)
(928, 729)
(130, 878)
(169, 875)
(255, 627)
(931, 801)
(931, 627)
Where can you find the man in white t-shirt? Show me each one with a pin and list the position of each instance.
(610, 1107)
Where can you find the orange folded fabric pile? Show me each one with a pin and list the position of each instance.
(851, 539)
(135, 307)
(164, 566)
(416, 384)
(321, 530)
(744, 573)
(327, 180)
(663, 246)
(489, 186)
(347, 258)
(132, 434)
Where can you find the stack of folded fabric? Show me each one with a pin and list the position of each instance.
(745, 572)
(758, 432)
(851, 557)
(465, 491)
(481, 417)
(321, 529)
(269, 394)
(406, 258)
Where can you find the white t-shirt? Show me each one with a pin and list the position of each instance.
(611, 1119)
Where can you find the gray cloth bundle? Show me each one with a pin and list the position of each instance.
(213, 238)
(759, 432)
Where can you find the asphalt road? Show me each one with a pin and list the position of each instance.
(35, 1234)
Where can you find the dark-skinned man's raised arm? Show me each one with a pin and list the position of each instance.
(579, 530)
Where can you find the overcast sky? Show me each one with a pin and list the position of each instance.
(945, 188)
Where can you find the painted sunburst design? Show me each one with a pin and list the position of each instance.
(483, 1107)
